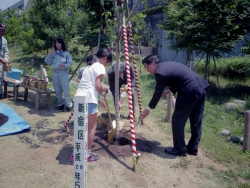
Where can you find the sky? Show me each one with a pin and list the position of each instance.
(7, 3)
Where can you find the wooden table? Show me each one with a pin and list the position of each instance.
(39, 92)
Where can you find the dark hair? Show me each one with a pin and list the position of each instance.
(104, 52)
(150, 58)
(60, 40)
(91, 59)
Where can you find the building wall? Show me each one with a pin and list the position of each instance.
(20, 5)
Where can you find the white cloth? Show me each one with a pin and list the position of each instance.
(87, 83)
(79, 76)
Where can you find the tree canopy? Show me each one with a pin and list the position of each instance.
(51, 19)
(206, 26)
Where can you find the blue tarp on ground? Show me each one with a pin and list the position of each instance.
(14, 124)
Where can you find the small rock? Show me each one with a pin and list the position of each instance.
(240, 103)
(231, 106)
(234, 139)
(225, 133)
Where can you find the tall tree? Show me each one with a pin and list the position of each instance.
(13, 22)
(1, 16)
(27, 39)
(52, 18)
(206, 26)
(100, 16)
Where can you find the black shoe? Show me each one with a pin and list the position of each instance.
(192, 152)
(174, 151)
(1, 96)
(67, 109)
(60, 107)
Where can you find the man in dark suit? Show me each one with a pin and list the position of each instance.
(190, 101)
(122, 81)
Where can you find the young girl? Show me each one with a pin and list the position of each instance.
(91, 84)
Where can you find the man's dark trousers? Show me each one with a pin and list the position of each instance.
(194, 111)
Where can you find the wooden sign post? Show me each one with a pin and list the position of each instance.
(246, 137)
(41, 72)
(21, 64)
(169, 108)
(27, 68)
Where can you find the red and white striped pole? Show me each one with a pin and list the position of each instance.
(135, 69)
(111, 48)
(67, 122)
(131, 115)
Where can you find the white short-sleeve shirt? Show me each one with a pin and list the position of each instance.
(87, 83)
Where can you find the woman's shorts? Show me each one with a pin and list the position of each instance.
(92, 108)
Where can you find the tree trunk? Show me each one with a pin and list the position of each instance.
(206, 67)
(139, 53)
(216, 74)
(199, 61)
(117, 109)
(99, 35)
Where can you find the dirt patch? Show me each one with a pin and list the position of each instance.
(41, 156)
(3, 119)
(121, 147)
(118, 148)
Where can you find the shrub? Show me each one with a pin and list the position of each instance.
(234, 67)
(74, 50)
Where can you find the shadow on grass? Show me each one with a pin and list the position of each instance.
(237, 91)
(31, 102)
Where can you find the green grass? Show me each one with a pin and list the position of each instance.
(216, 118)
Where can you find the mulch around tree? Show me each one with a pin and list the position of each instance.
(3, 119)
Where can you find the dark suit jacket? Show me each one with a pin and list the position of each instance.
(111, 79)
(179, 78)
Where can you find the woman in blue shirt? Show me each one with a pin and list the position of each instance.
(60, 61)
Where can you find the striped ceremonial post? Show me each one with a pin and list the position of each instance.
(131, 115)
(112, 47)
(67, 122)
(80, 140)
(135, 69)
(129, 90)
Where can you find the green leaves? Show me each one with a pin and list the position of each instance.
(55, 19)
(206, 26)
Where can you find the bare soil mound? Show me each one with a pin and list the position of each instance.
(118, 148)
(121, 147)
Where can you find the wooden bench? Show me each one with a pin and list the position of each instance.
(39, 92)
